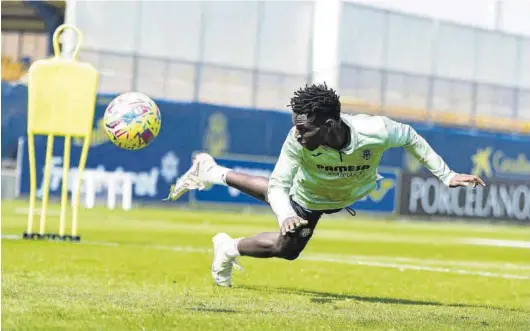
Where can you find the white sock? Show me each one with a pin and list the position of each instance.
(217, 175)
(232, 250)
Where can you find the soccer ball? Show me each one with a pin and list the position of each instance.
(132, 120)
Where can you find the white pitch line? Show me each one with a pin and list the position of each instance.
(498, 242)
(398, 259)
(403, 267)
(355, 260)
(37, 211)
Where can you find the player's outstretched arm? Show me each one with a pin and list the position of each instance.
(403, 135)
(466, 180)
(281, 179)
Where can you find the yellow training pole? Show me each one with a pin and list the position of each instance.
(32, 181)
(64, 192)
(81, 168)
(46, 183)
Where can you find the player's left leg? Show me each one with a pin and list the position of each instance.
(263, 245)
(205, 172)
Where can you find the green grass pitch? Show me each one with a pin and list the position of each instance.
(149, 269)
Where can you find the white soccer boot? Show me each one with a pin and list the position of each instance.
(223, 263)
(196, 178)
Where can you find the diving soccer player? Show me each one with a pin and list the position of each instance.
(328, 161)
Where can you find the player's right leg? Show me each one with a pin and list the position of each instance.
(205, 172)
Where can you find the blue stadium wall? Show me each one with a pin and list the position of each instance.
(250, 140)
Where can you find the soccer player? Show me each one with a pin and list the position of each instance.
(328, 161)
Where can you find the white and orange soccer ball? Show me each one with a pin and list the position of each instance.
(132, 120)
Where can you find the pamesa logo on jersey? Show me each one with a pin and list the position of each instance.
(349, 168)
(344, 171)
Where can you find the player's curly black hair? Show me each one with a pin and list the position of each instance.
(316, 99)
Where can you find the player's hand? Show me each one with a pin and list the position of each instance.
(463, 180)
(292, 223)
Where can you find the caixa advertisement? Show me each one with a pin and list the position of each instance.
(501, 199)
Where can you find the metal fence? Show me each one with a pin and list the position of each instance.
(241, 53)
(187, 81)
(399, 94)
(415, 66)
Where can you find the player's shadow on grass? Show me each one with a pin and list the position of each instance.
(328, 297)
(207, 308)
(212, 310)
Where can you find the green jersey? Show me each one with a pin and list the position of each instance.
(326, 178)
